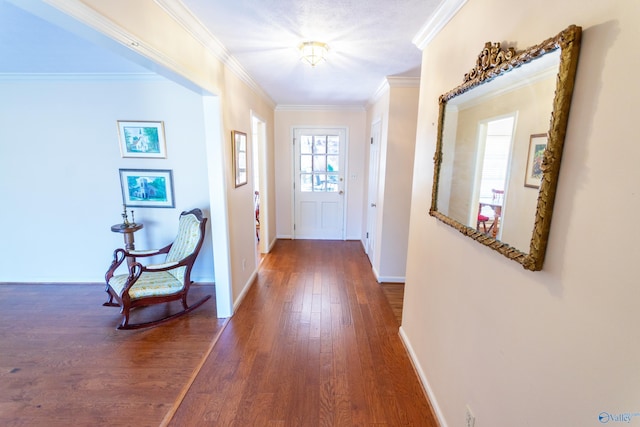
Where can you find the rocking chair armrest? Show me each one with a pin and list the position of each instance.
(119, 255)
(162, 267)
(147, 252)
(143, 253)
(135, 270)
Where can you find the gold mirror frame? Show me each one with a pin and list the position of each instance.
(492, 62)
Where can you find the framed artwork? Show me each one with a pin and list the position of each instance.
(239, 157)
(537, 145)
(147, 188)
(142, 139)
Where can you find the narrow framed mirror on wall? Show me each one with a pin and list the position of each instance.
(500, 139)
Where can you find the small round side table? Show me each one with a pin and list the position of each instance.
(127, 231)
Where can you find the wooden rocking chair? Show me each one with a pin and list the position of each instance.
(158, 283)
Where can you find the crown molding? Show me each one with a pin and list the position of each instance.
(183, 16)
(379, 93)
(388, 83)
(285, 107)
(437, 21)
(397, 81)
(93, 19)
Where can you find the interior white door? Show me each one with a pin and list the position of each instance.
(319, 183)
(372, 212)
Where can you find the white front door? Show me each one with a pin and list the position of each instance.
(319, 183)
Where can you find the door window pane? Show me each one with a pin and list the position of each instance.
(319, 163)
(333, 143)
(332, 163)
(306, 163)
(320, 145)
(319, 182)
(332, 183)
(305, 183)
(306, 144)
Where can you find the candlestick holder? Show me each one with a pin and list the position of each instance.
(125, 218)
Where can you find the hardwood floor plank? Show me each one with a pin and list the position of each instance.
(395, 295)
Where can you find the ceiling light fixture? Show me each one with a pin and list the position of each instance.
(313, 52)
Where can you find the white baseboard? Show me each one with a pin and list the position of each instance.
(386, 279)
(423, 379)
(291, 237)
(375, 274)
(390, 279)
(271, 245)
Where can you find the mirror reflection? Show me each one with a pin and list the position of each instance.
(485, 147)
(500, 139)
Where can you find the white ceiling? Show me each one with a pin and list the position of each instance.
(368, 39)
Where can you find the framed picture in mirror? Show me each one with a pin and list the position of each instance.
(537, 145)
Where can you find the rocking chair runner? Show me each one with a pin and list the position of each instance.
(158, 283)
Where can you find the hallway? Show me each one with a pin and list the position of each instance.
(314, 343)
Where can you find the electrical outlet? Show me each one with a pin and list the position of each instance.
(244, 264)
(470, 420)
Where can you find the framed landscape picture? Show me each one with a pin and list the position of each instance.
(147, 188)
(239, 157)
(142, 139)
(537, 145)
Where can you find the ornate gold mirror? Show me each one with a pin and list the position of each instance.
(500, 139)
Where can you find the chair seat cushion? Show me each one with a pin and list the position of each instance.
(158, 283)
(483, 218)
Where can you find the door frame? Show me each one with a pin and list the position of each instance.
(374, 178)
(259, 159)
(215, 146)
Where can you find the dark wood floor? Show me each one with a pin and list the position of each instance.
(314, 343)
(63, 363)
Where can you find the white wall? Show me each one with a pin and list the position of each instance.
(399, 149)
(59, 180)
(354, 121)
(559, 346)
(397, 108)
(241, 208)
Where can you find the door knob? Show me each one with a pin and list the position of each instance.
(373, 205)
(341, 192)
